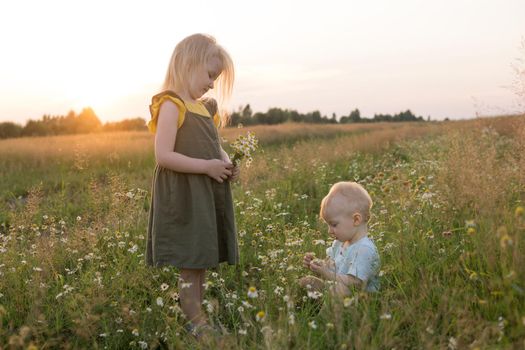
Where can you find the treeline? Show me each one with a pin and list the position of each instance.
(245, 116)
(72, 123)
(88, 122)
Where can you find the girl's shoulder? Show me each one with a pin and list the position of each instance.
(210, 104)
(164, 94)
(213, 108)
(208, 107)
(156, 102)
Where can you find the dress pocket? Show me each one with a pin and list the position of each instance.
(180, 198)
(170, 199)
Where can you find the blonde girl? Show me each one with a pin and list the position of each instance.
(191, 221)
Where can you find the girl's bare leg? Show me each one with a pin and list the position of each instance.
(190, 290)
(201, 285)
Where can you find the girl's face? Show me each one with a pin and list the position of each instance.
(204, 78)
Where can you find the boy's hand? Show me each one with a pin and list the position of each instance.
(318, 267)
(308, 257)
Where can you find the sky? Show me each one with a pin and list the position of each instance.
(444, 59)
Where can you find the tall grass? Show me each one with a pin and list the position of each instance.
(447, 218)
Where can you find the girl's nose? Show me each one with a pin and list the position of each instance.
(210, 85)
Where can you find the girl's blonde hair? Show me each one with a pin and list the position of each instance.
(194, 52)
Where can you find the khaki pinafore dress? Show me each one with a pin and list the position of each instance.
(191, 218)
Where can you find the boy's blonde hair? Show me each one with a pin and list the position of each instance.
(355, 199)
(194, 52)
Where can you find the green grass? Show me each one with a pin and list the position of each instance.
(73, 274)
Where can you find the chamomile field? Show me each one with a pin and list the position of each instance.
(448, 220)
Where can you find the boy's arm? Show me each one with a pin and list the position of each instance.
(347, 280)
(343, 283)
(340, 288)
(322, 269)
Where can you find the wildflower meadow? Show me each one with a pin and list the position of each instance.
(448, 220)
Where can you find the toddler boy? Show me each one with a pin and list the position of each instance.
(352, 260)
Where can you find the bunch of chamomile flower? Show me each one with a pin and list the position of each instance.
(243, 148)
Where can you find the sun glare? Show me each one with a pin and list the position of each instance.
(99, 91)
(94, 97)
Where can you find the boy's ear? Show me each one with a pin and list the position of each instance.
(358, 219)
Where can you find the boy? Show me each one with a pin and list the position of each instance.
(352, 260)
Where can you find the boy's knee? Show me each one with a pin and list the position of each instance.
(304, 281)
(311, 282)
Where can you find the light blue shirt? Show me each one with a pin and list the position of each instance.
(360, 260)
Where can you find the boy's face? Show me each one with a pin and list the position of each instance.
(204, 78)
(342, 223)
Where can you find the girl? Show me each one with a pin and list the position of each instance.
(191, 222)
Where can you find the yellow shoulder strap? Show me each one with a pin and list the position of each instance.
(155, 109)
(217, 120)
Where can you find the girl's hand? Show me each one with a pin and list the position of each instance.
(236, 171)
(219, 170)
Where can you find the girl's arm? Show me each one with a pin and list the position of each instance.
(165, 142)
(225, 156)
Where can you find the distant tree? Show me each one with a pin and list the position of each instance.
(405, 116)
(34, 128)
(355, 116)
(259, 118)
(295, 116)
(246, 112)
(382, 118)
(324, 120)
(134, 124)
(87, 121)
(316, 116)
(9, 129)
(234, 119)
(69, 123)
(243, 115)
(276, 116)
